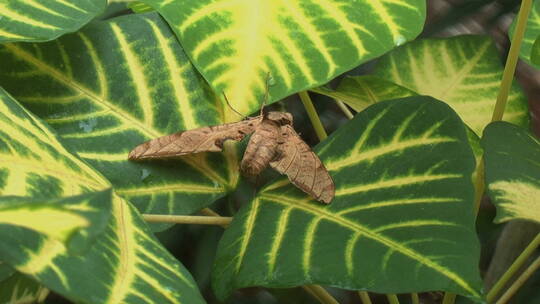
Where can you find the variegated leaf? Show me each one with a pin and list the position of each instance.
(359, 92)
(402, 219)
(42, 20)
(125, 264)
(512, 160)
(114, 85)
(463, 71)
(532, 32)
(19, 289)
(300, 44)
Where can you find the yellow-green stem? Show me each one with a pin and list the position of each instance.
(414, 298)
(392, 298)
(344, 109)
(187, 219)
(449, 298)
(313, 116)
(511, 61)
(364, 296)
(520, 281)
(518, 263)
(320, 294)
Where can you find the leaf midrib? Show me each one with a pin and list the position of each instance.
(306, 206)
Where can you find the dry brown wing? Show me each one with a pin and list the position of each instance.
(206, 139)
(303, 167)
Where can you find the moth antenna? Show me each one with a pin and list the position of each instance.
(230, 106)
(266, 92)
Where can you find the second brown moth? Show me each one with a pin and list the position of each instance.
(274, 142)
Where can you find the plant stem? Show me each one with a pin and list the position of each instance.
(344, 109)
(520, 281)
(392, 298)
(313, 116)
(449, 298)
(320, 294)
(414, 298)
(511, 61)
(209, 212)
(187, 219)
(479, 185)
(364, 296)
(518, 263)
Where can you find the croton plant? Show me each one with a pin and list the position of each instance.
(79, 89)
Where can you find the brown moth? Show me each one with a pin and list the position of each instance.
(274, 142)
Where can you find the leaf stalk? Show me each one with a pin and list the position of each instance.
(187, 219)
(511, 60)
(320, 294)
(518, 263)
(313, 116)
(520, 281)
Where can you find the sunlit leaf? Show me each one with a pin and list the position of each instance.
(125, 264)
(512, 160)
(463, 71)
(359, 92)
(532, 32)
(19, 289)
(301, 44)
(114, 85)
(402, 219)
(42, 20)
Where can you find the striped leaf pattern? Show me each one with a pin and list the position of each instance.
(42, 20)
(299, 43)
(359, 92)
(512, 160)
(73, 221)
(401, 221)
(463, 71)
(125, 264)
(102, 91)
(19, 289)
(532, 33)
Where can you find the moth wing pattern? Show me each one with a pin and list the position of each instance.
(205, 139)
(302, 166)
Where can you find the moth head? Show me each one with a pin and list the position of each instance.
(282, 118)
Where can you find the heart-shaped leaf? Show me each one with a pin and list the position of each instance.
(125, 264)
(512, 160)
(532, 32)
(114, 85)
(402, 219)
(42, 20)
(300, 44)
(463, 71)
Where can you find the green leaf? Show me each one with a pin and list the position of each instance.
(532, 32)
(111, 87)
(463, 71)
(301, 44)
(5, 271)
(125, 264)
(74, 220)
(402, 219)
(19, 289)
(512, 160)
(42, 20)
(359, 92)
(535, 52)
(140, 7)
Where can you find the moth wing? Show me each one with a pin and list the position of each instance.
(205, 139)
(302, 166)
